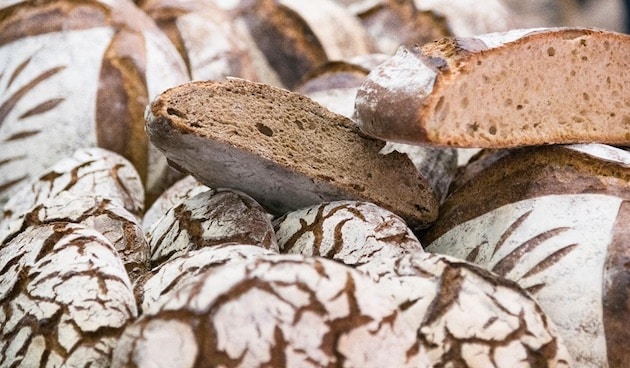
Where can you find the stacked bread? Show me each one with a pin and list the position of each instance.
(277, 183)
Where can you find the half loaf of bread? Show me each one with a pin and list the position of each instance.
(521, 87)
(283, 149)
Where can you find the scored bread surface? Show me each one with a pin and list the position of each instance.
(522, 87)
(283, 149)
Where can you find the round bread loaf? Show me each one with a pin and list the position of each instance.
(121, 228)
(280, 311)
(393, 23)
(351, 232)
(88, 172)
(163, 282)
(555, 221)
(465, 316)
(283, 149)
(65, 298)
(80, 74)
(212, 217)
(184, 188)
(474, 17)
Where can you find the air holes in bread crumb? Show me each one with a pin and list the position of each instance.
(585, 96)
(175, 112)
(519, 107)
(492, 130)
(264, 129)
(358, 187)
(551, 51)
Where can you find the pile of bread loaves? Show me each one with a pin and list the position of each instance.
(330, 183)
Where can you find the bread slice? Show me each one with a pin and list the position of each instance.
(283, 149)
(522, 87)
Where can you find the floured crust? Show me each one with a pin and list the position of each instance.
(531, 172)
(553, 219)
(274, 311)
(522, 87)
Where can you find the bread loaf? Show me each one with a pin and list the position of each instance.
(283, 149)
(350, 232)
(393, 23)
(79, 74)
(65, 298)
(121, 228)
(273, 311)
(87, 172)
(162, 283)
(465, 18)
(522, 87)
(184, 188)
(210, 218)
(466, 316)
(554, 219)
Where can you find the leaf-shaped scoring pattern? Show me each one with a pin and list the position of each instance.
(47, 88)
(9, 104)
(554, 247)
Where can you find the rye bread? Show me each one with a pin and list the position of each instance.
(554, 219)
(283, 149)
(522, 87)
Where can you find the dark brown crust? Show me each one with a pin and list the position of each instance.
(333, 74)
(122, 84)
(525, 173)
(391, 114)
(286, 40)
(616, 293)
(30, 18)
(402, 20)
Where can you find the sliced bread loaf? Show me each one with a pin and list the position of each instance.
(283, 149)
(522, 87)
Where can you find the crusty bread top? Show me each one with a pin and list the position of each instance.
(283, 149)
(500, 177)
(522, 87)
